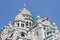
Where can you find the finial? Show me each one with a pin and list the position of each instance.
(54, 23)
(9, 21)
(4, 27)
(38, 16)
(24, 5)
(19, 10)
(38, 19)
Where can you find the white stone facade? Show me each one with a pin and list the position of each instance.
(24, 28)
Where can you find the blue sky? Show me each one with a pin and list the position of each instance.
(9, 9)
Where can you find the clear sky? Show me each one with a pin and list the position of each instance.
(9, 9)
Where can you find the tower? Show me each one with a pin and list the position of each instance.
(23, 22)
(40, 28)
(56, 32)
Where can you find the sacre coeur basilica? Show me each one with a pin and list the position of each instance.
(24, 28)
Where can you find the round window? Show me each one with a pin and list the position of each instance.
(23, 34)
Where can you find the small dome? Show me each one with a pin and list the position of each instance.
(19, 17)
(19, 10)
(54, 23)
(38, 16)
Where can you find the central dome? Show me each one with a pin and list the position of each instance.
(22, 12)
(19, 17)
(25, 11)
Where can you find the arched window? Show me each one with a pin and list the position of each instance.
(18, 24)
(22, 25)
(22, 34)
(24, 15)
(27, 23)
